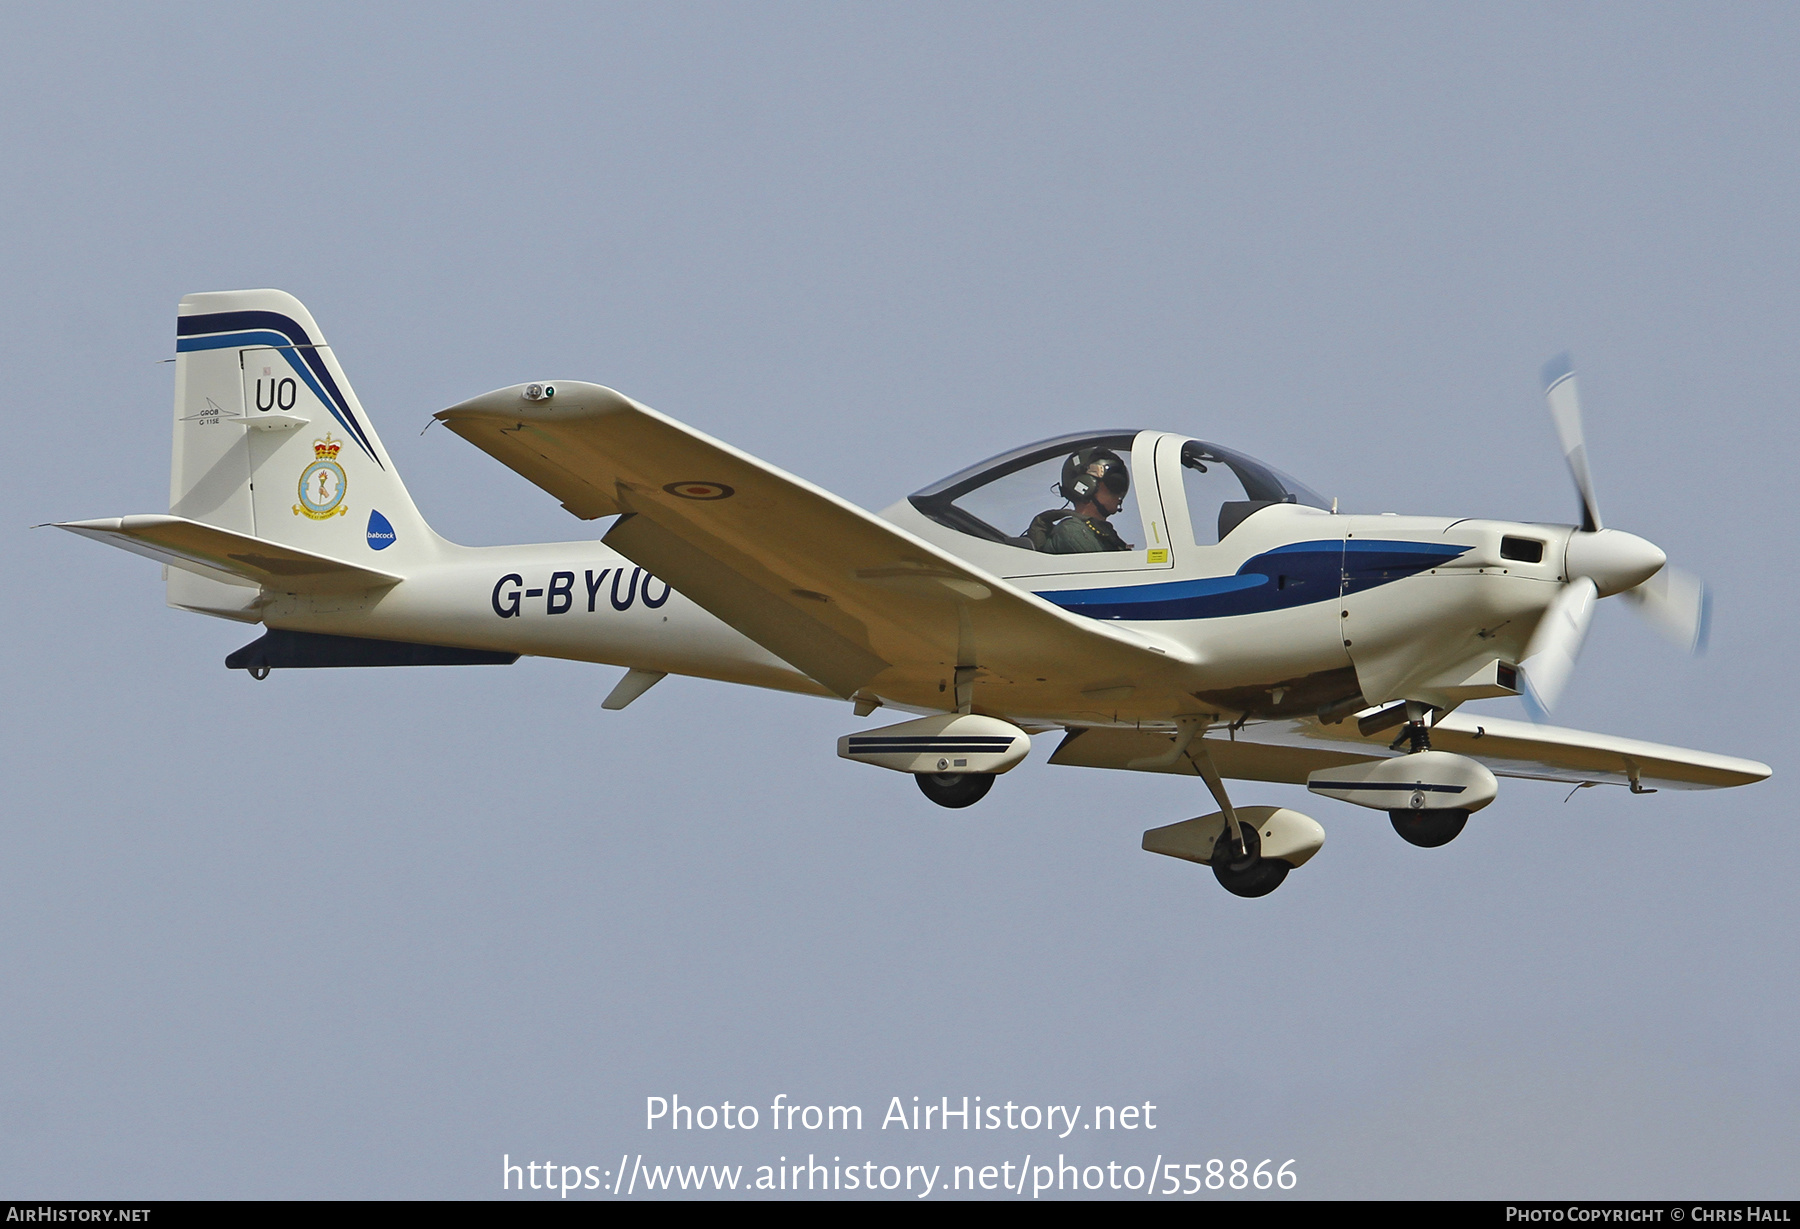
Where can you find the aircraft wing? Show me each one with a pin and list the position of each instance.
(221, 554)
(851, 600)
(1288, 750)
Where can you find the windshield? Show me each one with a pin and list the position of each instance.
(1224, 487)
(1015, 498)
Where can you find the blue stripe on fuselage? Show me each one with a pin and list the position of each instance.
(1294, 575)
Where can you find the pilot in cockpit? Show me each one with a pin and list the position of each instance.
(1094, 481)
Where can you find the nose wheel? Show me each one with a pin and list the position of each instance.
(1240, 868)
(1237, 861)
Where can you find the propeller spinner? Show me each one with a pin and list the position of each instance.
(1599, 563)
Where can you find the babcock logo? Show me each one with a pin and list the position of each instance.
(381, 534)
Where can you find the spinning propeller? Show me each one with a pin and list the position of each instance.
(1600, 562)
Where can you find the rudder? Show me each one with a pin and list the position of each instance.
(271, 441)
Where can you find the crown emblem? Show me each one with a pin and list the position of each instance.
(322, 483)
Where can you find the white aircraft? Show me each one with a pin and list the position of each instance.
(1164, 603)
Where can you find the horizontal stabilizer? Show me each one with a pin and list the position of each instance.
(221, 553)
(288, 650)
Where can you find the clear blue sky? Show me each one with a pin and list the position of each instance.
(360, 933)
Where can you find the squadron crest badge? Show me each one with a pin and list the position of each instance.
(322, 483)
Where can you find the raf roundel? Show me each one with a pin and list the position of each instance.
(700, 490)
(322, 483)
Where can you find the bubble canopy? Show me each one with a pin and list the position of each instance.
(996, 498)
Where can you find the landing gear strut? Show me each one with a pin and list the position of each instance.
(1237, 860)
(1415, 732)
(1426, 829)
(955, 789)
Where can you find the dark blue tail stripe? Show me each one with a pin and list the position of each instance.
(284, 333)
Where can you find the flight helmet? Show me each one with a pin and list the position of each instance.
(1086, 471)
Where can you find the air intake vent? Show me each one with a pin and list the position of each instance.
(1522, 550)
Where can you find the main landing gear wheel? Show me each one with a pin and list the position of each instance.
(1246, 873)
(955, 789)
(1428, 829)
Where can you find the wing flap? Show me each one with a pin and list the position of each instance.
(837, 660)
(1240, 760)
(223, 554)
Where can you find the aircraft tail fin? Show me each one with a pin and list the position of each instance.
(272, 443)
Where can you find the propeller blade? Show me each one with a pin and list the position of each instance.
(1678, 605)
(1565, 410)
(1550, 657)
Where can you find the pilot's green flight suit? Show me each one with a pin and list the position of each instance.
(1076, 535)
